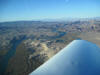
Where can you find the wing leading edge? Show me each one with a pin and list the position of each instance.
(80, 57)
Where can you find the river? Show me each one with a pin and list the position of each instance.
(9, 55)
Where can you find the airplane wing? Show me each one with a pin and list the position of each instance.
(80, 57)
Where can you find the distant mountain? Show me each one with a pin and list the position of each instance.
(71, 19)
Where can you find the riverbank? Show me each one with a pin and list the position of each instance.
(9, 55)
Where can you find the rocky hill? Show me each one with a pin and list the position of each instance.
(30, 43)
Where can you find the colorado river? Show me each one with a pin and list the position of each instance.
(10, 54)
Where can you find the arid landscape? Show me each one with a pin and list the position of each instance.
(33, 31)
(25, 45)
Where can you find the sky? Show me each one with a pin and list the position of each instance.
(15, 10)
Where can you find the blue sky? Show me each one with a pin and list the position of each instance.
(12, 10)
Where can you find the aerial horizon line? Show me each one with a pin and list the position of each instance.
(52, 19)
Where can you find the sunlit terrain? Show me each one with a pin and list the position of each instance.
(33, 31)
(78, 58)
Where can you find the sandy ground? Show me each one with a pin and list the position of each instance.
(92, 37)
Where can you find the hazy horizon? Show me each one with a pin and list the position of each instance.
(54, 19)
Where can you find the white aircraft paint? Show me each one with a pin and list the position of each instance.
(78, 58)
